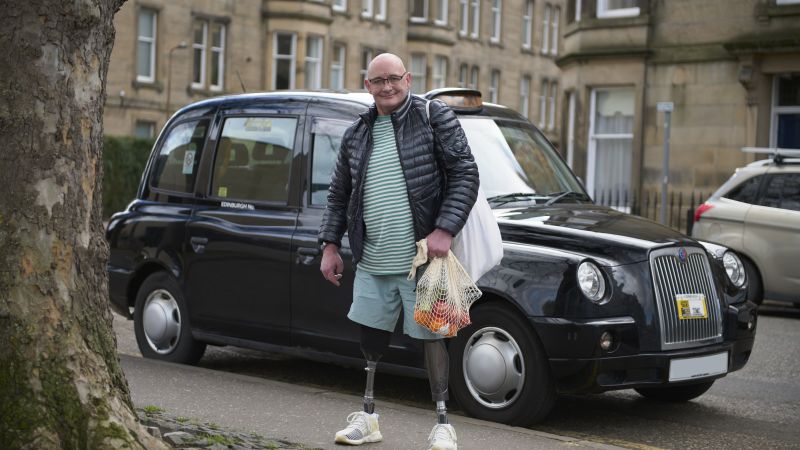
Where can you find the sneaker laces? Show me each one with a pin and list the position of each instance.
(358, 420)
(441, 432)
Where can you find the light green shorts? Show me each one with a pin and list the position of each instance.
(377, 300)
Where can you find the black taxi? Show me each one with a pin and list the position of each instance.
(220, 247)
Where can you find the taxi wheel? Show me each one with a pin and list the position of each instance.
(498, 368)
(161, 322)
(676, 393)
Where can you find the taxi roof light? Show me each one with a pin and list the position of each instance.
(458, 98)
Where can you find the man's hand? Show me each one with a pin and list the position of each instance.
(332, 265)
(439, 243)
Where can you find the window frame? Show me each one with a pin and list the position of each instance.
(338, 63)
(152, 41)
(474, 77)
(497, 21)
(463, 19)
(544, 88)
(276, 56)
(554, 22)
(439, 72)
(603, 11)
(553, 100)
(463, 75)
(525, 95)
(425, 12)
(339, 5)
(317, 60)
(418, 77)
(440, 15)
(365, 63)
(475, 9)
(221, 61)
(546, 29)
(151, 124)
(776, 110)
(593, 136)
(494, 86)
(202, 47)
(527, 26)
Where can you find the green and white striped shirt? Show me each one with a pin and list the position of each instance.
(389, 245)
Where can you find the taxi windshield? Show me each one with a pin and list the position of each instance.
(517, 163)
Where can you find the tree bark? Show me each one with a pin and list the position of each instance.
(61, 385)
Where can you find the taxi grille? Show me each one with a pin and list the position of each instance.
(672, 277)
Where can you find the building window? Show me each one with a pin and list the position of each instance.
(340, 5)
(578, 8)
(543, 103)
(473, 77)
(208, 59)
(144, 129)
(617, 8)
(284, 49)
(366, 56)
(527, 25)
(146, 50)
(494, 87)
(463, 72)
(440, 17)
(337, 66)
(546, 29)
(524, 95)
(313, 68)
(476, 18)
(785, 123)
(439, 72)
(373, 8)
(419, 11)
(610, 153)
(554, 27)
(551, 118)
(497, 13)
(419, 67)
(463, 17)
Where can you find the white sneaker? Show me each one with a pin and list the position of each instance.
(362, 428)
(443, 437)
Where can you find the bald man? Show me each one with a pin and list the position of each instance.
(404, 172)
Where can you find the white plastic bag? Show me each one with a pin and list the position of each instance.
(445, 293)
(479, 246)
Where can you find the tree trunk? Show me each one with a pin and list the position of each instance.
(61, 385)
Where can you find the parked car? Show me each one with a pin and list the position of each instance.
(220, 247)
(757, 213)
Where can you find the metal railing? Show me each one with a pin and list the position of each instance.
(645, 203)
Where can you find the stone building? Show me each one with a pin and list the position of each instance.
(731, 69)
(171, 53)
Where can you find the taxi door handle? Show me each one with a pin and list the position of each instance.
(199, 244)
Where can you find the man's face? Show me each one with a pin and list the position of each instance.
(389, 83)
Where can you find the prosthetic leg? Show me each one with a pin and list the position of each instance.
(437, 363)
(374, 344)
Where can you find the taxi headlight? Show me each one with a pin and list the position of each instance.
(591, 282)
(734, 268)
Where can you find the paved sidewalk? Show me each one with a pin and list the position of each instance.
(307, 415)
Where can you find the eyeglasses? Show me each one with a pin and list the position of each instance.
(394, 80)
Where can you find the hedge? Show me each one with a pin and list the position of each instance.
(124, 159)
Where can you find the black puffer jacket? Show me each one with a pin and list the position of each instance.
(441, 174)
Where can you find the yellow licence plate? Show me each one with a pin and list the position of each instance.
(691, 306)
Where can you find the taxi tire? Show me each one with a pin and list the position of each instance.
(675, 394)
(187, 350)
(538, 393)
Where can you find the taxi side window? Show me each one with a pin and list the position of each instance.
(746, 192)
(783, 191)
(254, 159)
(175, 167)
(326, 136)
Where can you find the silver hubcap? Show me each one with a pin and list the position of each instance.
(494, 368)
(161, 321)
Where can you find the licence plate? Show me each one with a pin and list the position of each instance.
(691, 306)
(699, 367)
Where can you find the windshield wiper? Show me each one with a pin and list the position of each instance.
(506, 198)
(562, 195)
